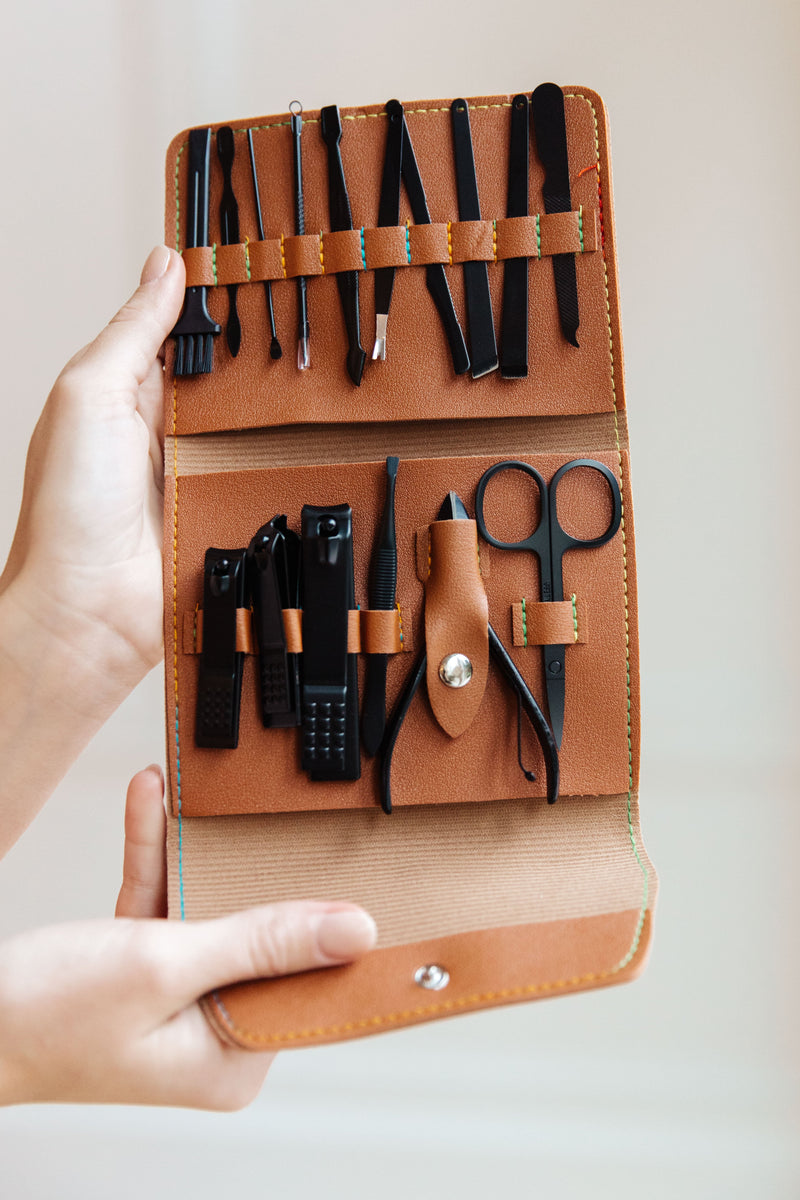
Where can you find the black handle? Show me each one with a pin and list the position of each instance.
(550, 126)
(341, 218)
(197, 189)
(514, 332)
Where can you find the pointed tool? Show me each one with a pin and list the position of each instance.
(514, 329)
(274, 346)
(341, 218)
(303, 331)
(229, 227)
(550, 129)
(382, 594)
(388, 215)
(435, 277)
(480, 325)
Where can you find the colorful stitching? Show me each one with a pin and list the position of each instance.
(247, 256)
(524, 623)
(449, 244)
(575, 615)
(321, 254)
(214, 261)
(175, 637)
(178, 198)
(363, 251)
(400, 622)
(538, 238)
(408, 241)
(580, 225)
(494, 241)
(283, 256)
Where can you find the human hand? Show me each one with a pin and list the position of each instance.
(106, 1012)
(86, 555)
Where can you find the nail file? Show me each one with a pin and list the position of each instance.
(219, 687)
(382, 595)
(550, 129)
(514, 325)
(480, 324)
(330, 741)
(388, 215)
(341, 218)
(435, 277)
(229, 229)
(303, 331)
(275, 350)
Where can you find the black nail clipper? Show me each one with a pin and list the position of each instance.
(273, 561)
(330, 741)
(219, 687)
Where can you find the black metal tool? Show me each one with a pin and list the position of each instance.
(229, 228)
(273, 561)
(453, 509)
(330, 741)
(514, 326)
(382, 594)
(195, 331)
(274, 346)
(435, 277)
(550, 129)
(219, 686)
(303, 331)
(550, 542)
(388, 215)
(341, 218)
(480, 324)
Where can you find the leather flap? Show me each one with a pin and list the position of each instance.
(456, 622)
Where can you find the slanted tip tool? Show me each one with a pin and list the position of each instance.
(388, 215)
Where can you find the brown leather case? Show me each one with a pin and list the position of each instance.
(472, 872)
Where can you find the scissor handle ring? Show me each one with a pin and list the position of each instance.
(616, 505)
(529, 543)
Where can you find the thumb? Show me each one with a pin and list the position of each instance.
(121, 356)
(261, 943)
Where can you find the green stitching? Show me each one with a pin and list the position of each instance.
(580, 225)
(538, 238)
(247, 256)
(646, 888)
(524, 624)
(214, 261)
(575, 615)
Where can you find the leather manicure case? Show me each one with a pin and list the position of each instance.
(473, 875)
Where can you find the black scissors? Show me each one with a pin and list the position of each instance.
(550, 542)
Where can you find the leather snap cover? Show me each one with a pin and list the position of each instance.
(513, 898)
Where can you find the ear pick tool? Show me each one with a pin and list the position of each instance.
(274, 346)
(296, 110)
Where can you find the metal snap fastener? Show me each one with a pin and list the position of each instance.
(432, 977)
(455, 670)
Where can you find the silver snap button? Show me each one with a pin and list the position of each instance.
(432, 977)
(455, 670)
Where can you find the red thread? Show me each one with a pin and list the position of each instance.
(593, 167)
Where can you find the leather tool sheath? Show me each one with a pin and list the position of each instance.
(456, 622)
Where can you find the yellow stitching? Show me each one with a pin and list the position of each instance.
(428, 1010)
(283, 257)
(400, 623)
(321, 255)
(247, 256)
(494, 241)
(449, 244)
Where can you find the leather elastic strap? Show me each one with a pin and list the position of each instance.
(555, 623)
(369, 631)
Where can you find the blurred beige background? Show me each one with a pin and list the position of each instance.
(685, 1083)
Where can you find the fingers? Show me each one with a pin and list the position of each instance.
(121, 356)
(144, 870)
(260, 943)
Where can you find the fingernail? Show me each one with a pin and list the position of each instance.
(156, 264)
(345, 934)
(156, 769)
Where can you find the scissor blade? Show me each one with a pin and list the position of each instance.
(555, 689)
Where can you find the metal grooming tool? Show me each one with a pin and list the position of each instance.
(514, 323)
(275, 351)
(341, 218)
(550, 129)
(219, 686)
(480, 324)
(388, 215)
(229, 226)
(382, 594)
(304, 332)
(195, 331)
(273, 563)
